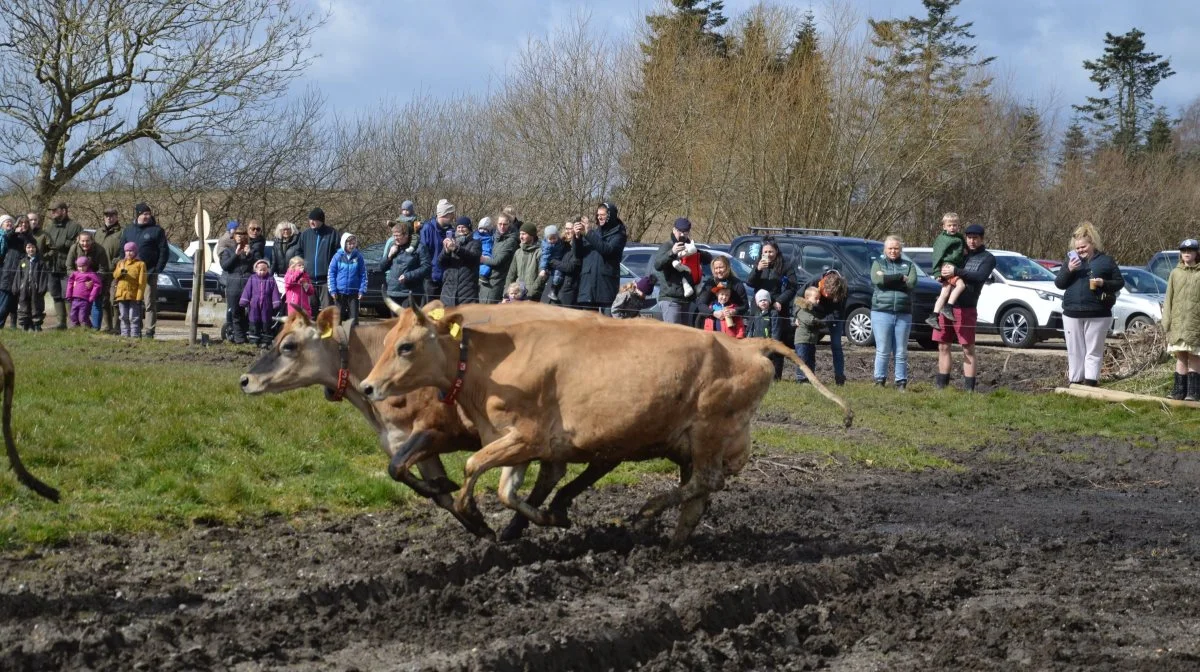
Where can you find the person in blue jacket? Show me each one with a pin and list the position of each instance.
(348, 278)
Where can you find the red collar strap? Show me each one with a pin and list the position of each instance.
(343, 375)
(456, 387)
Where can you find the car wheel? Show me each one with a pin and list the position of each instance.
(858, 328)
(1138, 323)
(1017, 327)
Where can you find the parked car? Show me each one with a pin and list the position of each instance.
(1162, 263)
(175, 282)
(1020, 302)
(1051, 265)
(808, 255)
(1139, 305)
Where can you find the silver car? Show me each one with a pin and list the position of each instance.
(1139, 305)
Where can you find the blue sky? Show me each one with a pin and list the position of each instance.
(374, 50)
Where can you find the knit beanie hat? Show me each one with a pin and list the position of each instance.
(408, 205)
(140, 208)
(551, 230)
(317, 214)
(485, 224)
(263, 262)
(131, 247)
(444, 208)
(464, 221)
(645, 284)
(762, 295)
(83, 261)
(529, 228)
(233, 224)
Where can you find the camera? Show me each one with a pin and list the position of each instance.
(685, 240)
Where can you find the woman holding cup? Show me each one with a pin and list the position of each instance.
(1091, 280)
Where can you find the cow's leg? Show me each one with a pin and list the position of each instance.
(549, 474)
(509, 450)
(432, 470)
(556, 514)
(689, 516)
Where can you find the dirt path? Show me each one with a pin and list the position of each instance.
(1027, 558)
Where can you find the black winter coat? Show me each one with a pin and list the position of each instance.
(600, 253)
(1080, 300)
(706, 297)
(12, 260)
(283, 252)
(152, 245)
(672, 278)
(412, 263)
(976, 270)
(460, 273)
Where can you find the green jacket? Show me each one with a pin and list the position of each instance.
(894, 282)
(98, 257)
(808, 326)
(61, 235)
(111, 242)
(1181, 309)
(525, 268)
(948, 249)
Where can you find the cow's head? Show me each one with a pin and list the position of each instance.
(420, 351)
(304, 353)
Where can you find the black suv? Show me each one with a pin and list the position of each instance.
(810, 252)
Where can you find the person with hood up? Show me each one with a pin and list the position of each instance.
(599, 249)
(83, 289)
(348, 278)
(151, 240)
(459, 264)
(260, 299)
(526, 262)
(318, 243)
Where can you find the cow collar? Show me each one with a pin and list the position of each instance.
(343, 374)
(456, 387)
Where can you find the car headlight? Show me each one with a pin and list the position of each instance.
(165, 280)
(1047, 296)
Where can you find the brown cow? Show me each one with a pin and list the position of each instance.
(26, 478)
(307, 353)
(609, 390)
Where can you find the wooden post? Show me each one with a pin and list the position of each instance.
(199, 265)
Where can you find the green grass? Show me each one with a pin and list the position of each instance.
(147, 437)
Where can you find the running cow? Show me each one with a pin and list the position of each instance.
(589, 391)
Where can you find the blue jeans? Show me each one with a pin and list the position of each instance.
(891, 337)
(835, 348)
(808, 353)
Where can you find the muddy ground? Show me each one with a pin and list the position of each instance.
(1026, 558)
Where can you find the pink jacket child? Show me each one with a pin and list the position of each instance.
(83, 289)
(297, 287)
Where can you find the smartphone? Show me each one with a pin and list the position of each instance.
(1072, 255)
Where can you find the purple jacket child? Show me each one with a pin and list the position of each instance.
(261, 295)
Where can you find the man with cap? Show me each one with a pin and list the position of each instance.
(599, 251)
(432, 233)
(504, 246)
(318, 243)
(108, 237)
(151, 240)
(61, 233)
(678, 261)
(976, 268)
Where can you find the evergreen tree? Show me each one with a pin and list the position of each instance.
(1129, 73)
(693, 22)
(1029, 138)
(806, 50)
(1074, 145)
(1158, 137)
(930, 54)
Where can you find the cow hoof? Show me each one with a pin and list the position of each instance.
(515, 529)
(557, 518)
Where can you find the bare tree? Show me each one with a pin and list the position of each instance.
(81, 78)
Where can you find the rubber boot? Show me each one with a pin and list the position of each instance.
(60, 311)
(969, 383)
(839, 380)
(1091, 383)
(1180, 390)
(902, 385)
(941, 381)
(1193, 387)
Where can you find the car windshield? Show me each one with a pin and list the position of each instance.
(1138, 281)
(1024, 269)
(373, 253)
(177, 255)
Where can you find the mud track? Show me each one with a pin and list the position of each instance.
(1027, 557)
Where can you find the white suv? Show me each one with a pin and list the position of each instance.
(1020, 303)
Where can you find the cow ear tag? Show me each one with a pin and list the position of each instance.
(436, 314)
(328, 333)
(456, 331)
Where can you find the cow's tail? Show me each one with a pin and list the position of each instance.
(14, 459)
(770, 346)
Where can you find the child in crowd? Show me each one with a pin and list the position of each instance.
(129, 287)
(83, 289)
(298, 287)
(766, 322)
(348, 278)
(1181, 321)
(515, 292)
(260, 298)
(808, 328)
(950, 247)
(553, 249)
(688, 264)
(30, 286)
(631, 299)
(731, 323)
(485, 233)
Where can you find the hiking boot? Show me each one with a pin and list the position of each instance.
(948, 313)
(1180, 390)
(880, 382)
(1091, 383)
(901, 385)
(839, 380)
(932, 321)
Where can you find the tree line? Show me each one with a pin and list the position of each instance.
(758, 119)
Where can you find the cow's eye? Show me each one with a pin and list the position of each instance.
(404, 349)
(287, 346)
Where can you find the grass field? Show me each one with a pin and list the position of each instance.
(154, 436)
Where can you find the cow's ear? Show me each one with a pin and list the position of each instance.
(328, 320)
(451, 325)
(298, 315)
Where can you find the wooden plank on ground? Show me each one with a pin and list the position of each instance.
(1116, 395)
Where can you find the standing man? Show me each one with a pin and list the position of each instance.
(62, 234)
(109, 238)
(86, 246)
(600, 252)
(318, 243)
(679, 262)
(433, 232)
(151, 240)
(491, 287)
(976, 268)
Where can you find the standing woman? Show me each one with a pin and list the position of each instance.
(891, 311)
(831, 309)
(770, 274)
(1091, 280)
(287, 245)
(569, 266)
(1181, 321)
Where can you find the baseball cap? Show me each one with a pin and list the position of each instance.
(973, 230)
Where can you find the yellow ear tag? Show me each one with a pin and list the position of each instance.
(328, 333)
(456, 331)
(436, 314)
